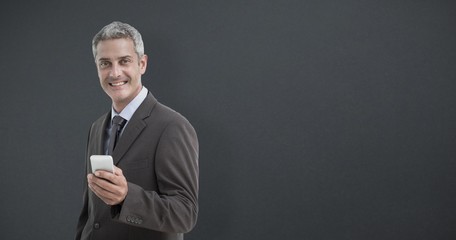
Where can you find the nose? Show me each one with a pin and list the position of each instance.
(115, 71)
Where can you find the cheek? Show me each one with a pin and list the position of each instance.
(102, 77)
(102, 82)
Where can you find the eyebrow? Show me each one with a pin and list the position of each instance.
(108, 59)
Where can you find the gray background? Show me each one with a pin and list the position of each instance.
(317, 119)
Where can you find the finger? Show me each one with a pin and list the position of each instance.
(117, 178)
(117, 186)
(89, 177)
(92, 179)
(105, 175)
(118, 171)
(110, 198)
(100, 193)
(105, 184)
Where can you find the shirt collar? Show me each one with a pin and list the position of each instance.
(130, 109)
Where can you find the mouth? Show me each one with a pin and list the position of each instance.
(117, 84)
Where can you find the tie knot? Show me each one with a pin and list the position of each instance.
(118, 120)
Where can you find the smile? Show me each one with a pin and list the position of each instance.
(118, 83)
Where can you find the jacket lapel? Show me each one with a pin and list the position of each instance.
(134, 127)
(99, 134)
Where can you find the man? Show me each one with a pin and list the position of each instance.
(153, 192)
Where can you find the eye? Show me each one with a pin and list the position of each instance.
(104, 64)
(125, 61)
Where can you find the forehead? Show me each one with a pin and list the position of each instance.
(115, 48)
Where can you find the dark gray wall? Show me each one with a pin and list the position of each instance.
(317, 119)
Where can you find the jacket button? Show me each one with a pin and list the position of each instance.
(96, 225)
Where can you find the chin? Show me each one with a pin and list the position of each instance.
(117, 96)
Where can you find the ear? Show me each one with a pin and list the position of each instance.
(143, 64)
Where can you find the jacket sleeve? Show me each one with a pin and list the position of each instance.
(174, 207)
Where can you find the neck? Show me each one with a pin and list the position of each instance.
(120, 105)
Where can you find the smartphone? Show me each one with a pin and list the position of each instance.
(102, 162)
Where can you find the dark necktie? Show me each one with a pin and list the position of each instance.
(117, 124)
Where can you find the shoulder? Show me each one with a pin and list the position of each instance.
(176, 130)
(170, 117)
(153, 110)
(101, 120)
(99, 124)
(168, 120)
(167, 113)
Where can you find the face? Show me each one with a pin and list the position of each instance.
(120, 69)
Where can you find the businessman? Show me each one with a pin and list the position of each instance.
(153, 192)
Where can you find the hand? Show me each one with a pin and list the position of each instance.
(112, 188)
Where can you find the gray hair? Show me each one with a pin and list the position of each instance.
(118, 30)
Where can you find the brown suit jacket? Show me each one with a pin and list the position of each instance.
(158, 154)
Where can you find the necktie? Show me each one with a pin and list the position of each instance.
(117, 124)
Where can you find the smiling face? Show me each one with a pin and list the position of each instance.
(120, 69)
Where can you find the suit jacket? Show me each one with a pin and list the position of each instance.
(158, 155)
